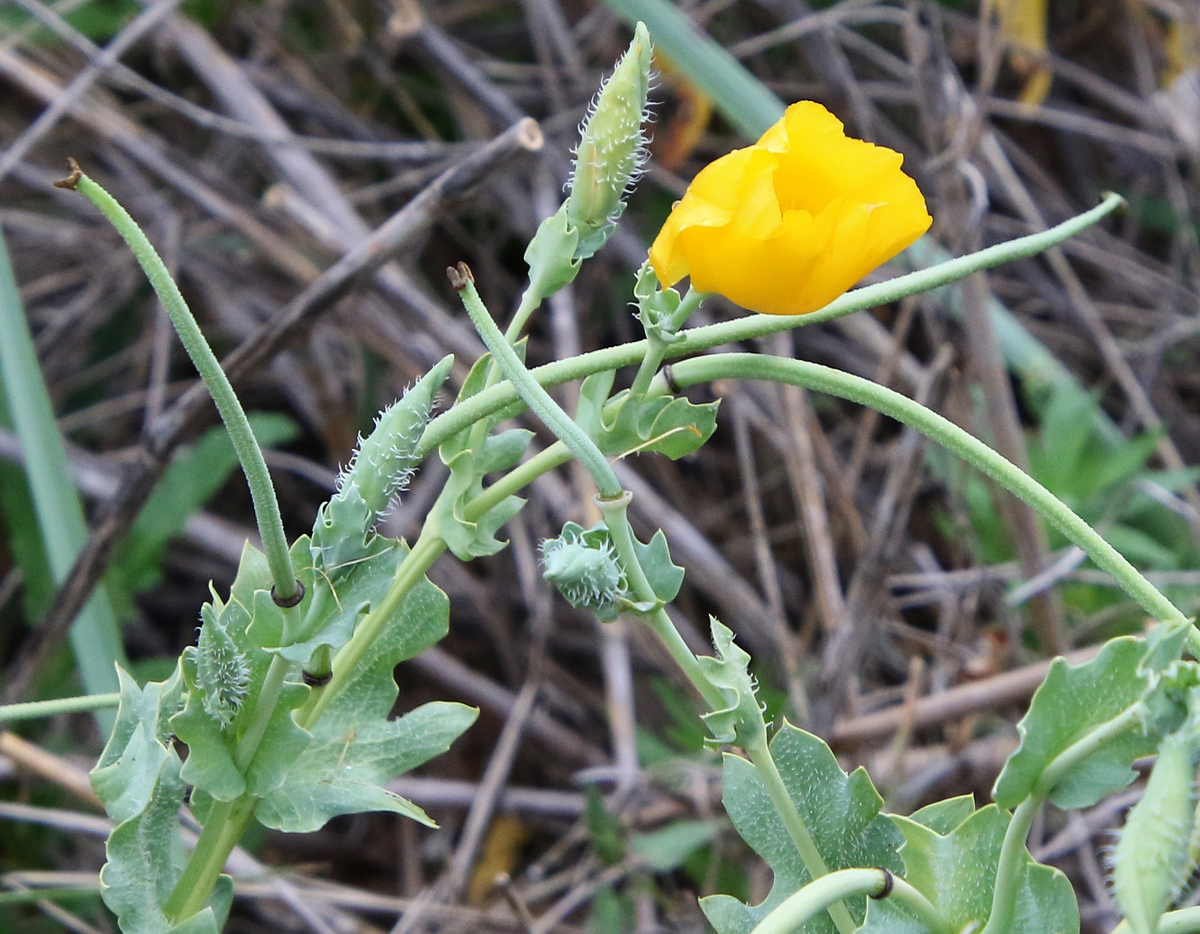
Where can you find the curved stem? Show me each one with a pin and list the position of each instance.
(949, 435)
(491, 400)
(804, 905)
(615, 512)
(1012, 850)
(1091, 742)
(1008, 869)
(661, 338)
(50, 708)
(266, 507)
(534, 396)
(824, 893)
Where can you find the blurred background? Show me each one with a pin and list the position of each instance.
(896, 603)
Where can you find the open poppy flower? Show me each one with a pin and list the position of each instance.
(787, 225)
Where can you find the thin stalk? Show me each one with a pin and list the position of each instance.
(661, 625)
(466, 413)
(427, 548)
(260, 714)
(227, 821)
(1130, 718)
(516, 479)
(804, 905)
(1183, 921)
(768, 773)
(60, 705)
(533, 395)
(530, 300)
(691, 301)
(266, 508)
(658, 342)
(615, 512)
(1008, 870)
(1012, 850)
(951, 436)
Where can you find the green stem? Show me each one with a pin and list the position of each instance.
(227, 821)
(1008, 870)
(759, 752)
(259, 715)
(466, 413)
(530, 300)
(950, 436)
(802, 906)
(615, 512)
(1183, 921)
(1012, 850)
(658, 340)
(690, 302)
(50, 708)
(534, 396)
(424, 552)
(516, 479)
(266, 508)
(752, 735)
(1090, 743)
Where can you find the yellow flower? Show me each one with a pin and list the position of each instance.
(787, 225)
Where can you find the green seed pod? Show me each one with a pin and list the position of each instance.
(387, 458)
(612, 148)
(585, 570)
(1150, 860)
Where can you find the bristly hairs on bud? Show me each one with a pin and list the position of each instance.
(387, 458)
(1151, 860)
(222, 672)
(583, 566)
(612, 148)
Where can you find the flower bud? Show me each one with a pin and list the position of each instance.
(1150, 861)
(386, 459)
(222, 672)
(611, 149)
(584, 568)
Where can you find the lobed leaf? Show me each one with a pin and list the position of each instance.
(139, 780)
(355, 749)
(346, 770)
(1072, 701)
(956, 871)
(841, 811)
(628, 424)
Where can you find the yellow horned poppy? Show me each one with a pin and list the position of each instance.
(787, 225)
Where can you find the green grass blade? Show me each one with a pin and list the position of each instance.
(95, 637)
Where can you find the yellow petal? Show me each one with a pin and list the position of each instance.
(788, 224)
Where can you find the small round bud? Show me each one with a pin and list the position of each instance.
(584, 568)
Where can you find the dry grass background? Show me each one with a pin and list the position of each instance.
(261, 143)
